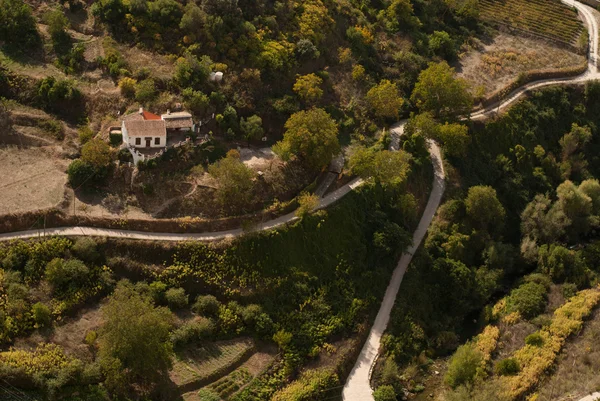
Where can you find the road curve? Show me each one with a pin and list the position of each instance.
(358, 387)
(591, 397)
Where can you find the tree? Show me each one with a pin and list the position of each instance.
(483, 207)
(134, 342)
(196, 101)
(562, 264)
(442, 45)
(234, 183)
(591, 188)
(463, 366)
(577, 206)
(145, 91)
(97, 153)
(127, 87)
(384, 166)
(18, 28)
(542, 222)
(252, 127)
(455, 138)
(308, 87)
(311, 136)
(57, 28)
(571, 144)
(384, 99)
(80, 172)
(439, 92)
(399, 16)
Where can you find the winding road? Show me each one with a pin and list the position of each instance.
(357, 387)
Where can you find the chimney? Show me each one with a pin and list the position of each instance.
(141, 110)
(168, 111)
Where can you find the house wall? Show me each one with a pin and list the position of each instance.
(162, 142)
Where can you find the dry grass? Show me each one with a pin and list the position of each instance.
(578, 366)
(502, 60)
(32, 179)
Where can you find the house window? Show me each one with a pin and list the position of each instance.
(157, 141)
(138, 141)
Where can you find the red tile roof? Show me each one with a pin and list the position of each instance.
(150, 116)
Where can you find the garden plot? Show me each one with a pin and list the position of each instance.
(195, 365)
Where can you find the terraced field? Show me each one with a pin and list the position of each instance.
(546, 18)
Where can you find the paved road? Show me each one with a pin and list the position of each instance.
(357, 387)
(210, 236)
(591, 397)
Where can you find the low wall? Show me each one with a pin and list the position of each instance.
(50, 218)
(528, 77)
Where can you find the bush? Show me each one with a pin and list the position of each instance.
(86, 249)
(306, 204)
(507, 367)
(384, 393)
(85, 134)
(80, 173)
(65, 274)
(535, 339)
(41, 314)
(157, 291)
(176, 298)
(206, 305)
(463, 365)
(528, 299)
(116, 139)
(208, 395)
(569, 290)
(200, 329)
(55, 128)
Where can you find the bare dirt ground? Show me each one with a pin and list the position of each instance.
(499, 62)
(31, 179)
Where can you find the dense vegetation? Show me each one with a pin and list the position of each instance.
(522, 212)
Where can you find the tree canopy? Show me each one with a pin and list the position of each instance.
(134, 341)
(439, 92)
(310, 135)
(384, 99)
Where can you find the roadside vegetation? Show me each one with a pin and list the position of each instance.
(513, 246)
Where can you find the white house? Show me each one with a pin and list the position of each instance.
(148, 130)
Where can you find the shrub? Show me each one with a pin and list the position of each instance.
(534, 339)
(463, 365)
(507, 367)
(200, 329)
(91, 337)
(176, 298)
(41, 314)
(206, 305)
(65, 274)
(384, 393)
(528, 299)
(569, 290)
(86, 249)
(55, 128)
(80, 173)
(85, 134)
(306, 204)
(127, 87)
(208, 395)
(157, 291)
